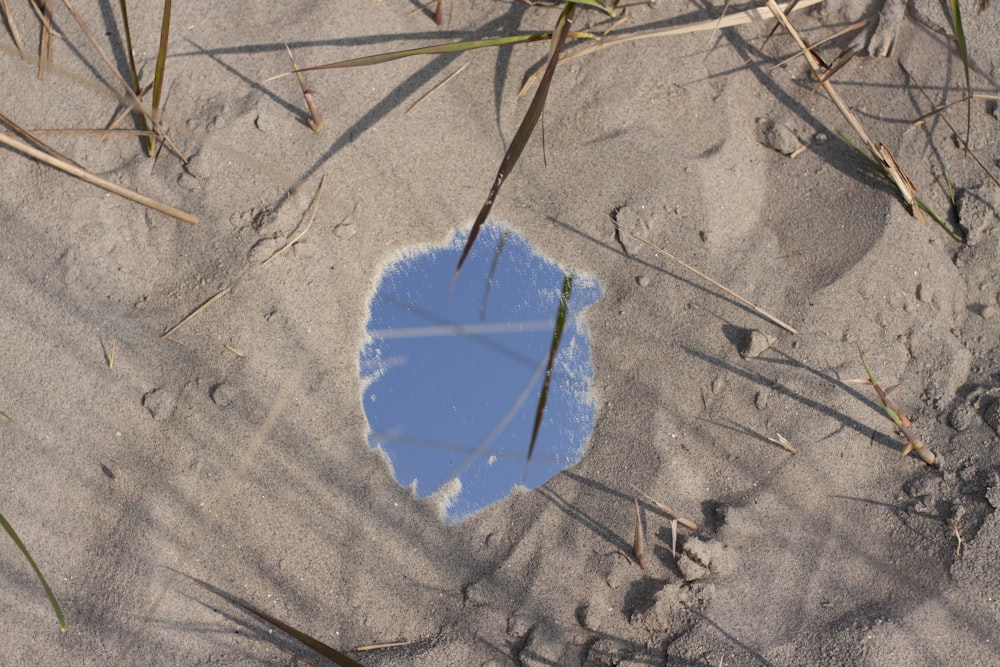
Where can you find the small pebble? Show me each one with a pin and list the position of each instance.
(754, 343)
(643, 281)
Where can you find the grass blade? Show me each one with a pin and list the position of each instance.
(133, 70)
(524, 131)
(161, 65)
(567, 289)
(323, 649)
(38, 573)
(436, 49)
(901, 421)
(687, 523)
(963, 54)
(82, 174)
(639, 541)
(13, 29)
(315, 120)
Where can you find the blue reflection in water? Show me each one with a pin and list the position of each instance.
(451, 381)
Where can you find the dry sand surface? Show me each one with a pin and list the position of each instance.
(236, 454)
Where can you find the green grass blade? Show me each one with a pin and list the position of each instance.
(963, 54)
(543, 397)
(161, 65)
(323, 649)
(133, 70)
(38, 573)
(610, 11)
(524, 130)
(436, 49)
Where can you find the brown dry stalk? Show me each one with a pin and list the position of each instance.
(130, 95)
(639, 541)
(728, 21)
(701, 274)
(315, 120)
(879, 152)
(13, 29)
(194, 312)
(305, 228)
(44, 13)
(84, 175)
(690, 525)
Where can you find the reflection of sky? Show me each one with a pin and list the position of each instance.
(451, 387)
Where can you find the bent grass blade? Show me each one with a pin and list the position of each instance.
(38, 573)
(524, 131)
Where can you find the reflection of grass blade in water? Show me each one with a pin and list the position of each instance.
(38, 573)
(493, 271)
(524, 130)
(323, 649)
(567, 289)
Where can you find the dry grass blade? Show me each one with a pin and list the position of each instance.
(7, 417)
(639, 540)
(829, 38)
(194, 312)
(975, 96)
(557, 331)
(29, 136)
(315, 120)
(44, 13)
(158, 73)
(878, 151)
(379, 647)
(13, 29)
(784, 444)
(739, 18)
(323, 649)
(436, 88)
(690, 525)
(38, 573)
(704, 276)
(84, 175)
(305, 228)
(436, 49)
(524, 131)
(944, 117)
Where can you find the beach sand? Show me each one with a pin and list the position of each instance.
(234, 452)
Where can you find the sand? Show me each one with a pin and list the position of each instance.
(235, 453)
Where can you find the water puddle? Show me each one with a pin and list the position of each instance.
(452, 380)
